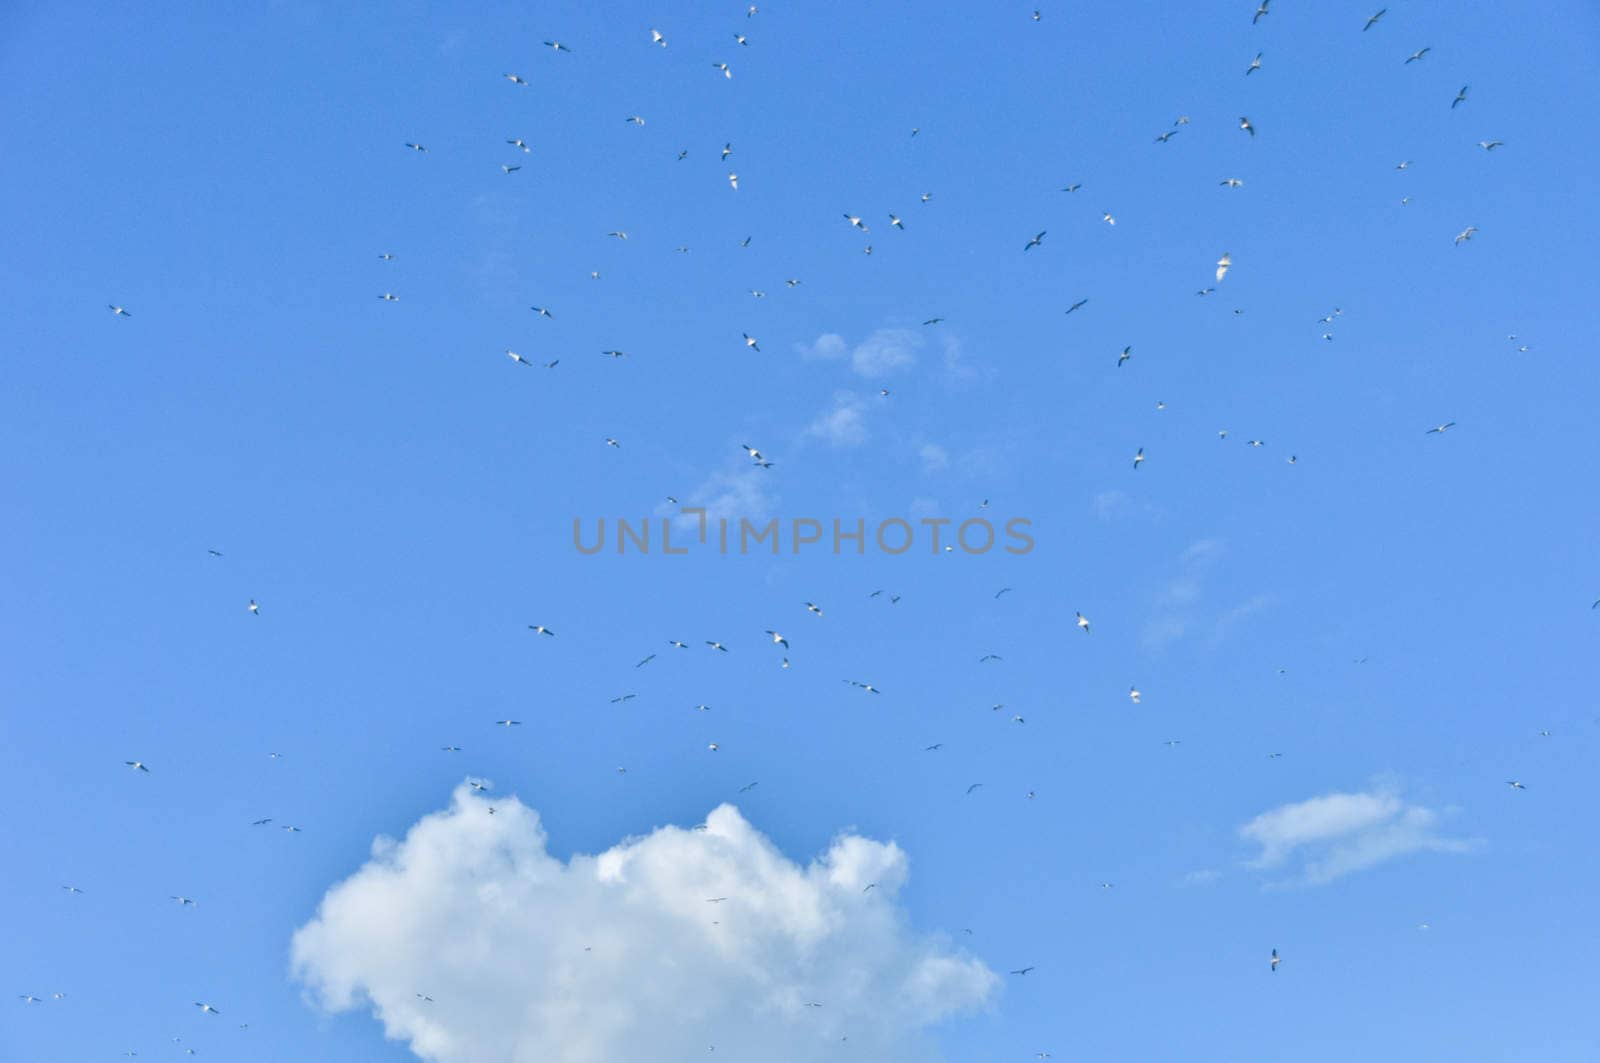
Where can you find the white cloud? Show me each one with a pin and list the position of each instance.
(955, 365)
(844, 424)
(1108, 505)
(620, 956)
(1335, 834)
(885, 351)
(730, 494)
(828, 345)
(934, 457)
(1181, 609)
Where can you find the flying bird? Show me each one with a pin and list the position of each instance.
(137, 765)
(1022, 970)
(656, 38)
(1138, 458)
(1373, 21)
(540, 629)
(1223, 264)
(1466, 234)
(415, 147)
(1133, 695)
(1255, 64)
(515, 79)
(117, 311)
(1515, 785)
(1274, 959)
(1244, 124)
(1083, 622)
(1260, 11)
(1490, 145)
(1418, 54)
(557, 46)
(724, 68)
(1037, 240)
(1440, 429)
(1461, 97)
(1231, 182)
(750, 342)
(207, 1008)
(1077, 305)
(777, 639)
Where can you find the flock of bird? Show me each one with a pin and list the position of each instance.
(1032, 245)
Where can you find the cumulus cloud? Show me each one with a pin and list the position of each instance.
(621, 955)
(1335, 834)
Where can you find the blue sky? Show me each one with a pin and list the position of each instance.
(398, 496)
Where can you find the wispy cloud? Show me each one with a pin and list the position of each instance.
(844, 423)
(1321, 839)
(829, 345)
(884, 352)
(729, 493)
(658, 948)
(1182, 610)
